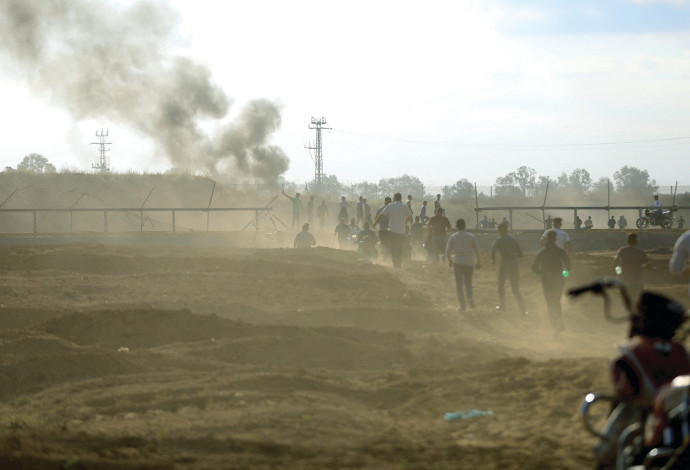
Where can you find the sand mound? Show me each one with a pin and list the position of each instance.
(181, 358)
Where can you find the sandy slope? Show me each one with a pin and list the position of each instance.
(121, 357)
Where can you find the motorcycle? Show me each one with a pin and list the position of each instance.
(652, 217)
(631, 453)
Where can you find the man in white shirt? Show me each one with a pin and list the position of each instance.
(657, 206)
(398, 215)
(465, 248)
(562, 238)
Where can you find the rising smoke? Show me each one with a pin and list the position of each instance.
(101, 60)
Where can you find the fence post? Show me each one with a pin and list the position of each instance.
(105, 221)
(173, 220)
(34, 223)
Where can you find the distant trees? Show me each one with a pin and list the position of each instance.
(330, 187)
(365, 189)
(579, 181)
(521, 182)
(404, 184)
(461, 189)
(36, 163)
(632, 180)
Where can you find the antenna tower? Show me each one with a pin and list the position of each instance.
(318, 124)
(103, 164)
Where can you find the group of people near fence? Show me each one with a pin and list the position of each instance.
(399, 230)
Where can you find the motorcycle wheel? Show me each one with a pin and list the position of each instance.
(642, 222)
(666, 223)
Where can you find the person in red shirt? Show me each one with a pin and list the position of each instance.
(437, 231)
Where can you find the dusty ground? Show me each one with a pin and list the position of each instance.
(196, 358)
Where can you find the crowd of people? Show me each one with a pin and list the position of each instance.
(649, 360)
(394, 232)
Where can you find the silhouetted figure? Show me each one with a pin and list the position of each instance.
(310, 210)
(367, 212)
(622, 222)
(437, 233)
(551, 263)
(359, 210)
(508, 269)
(296, 209)
(589, 224)
(628, 264)
(343, 204)
(423, 218)
(344, 234)
(304, 239)
(321, 213)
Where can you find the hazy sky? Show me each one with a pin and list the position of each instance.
(441, 90)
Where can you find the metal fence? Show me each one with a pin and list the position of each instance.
(258, 211)
(543, 209)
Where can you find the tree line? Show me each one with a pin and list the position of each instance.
(523, 182)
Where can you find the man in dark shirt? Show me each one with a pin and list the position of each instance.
(628, 264)
(383, 227)
(437, 228)
(417, 232)
(508, 268)
(553, 264)
(343, 233)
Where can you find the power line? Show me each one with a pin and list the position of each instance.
(661, 142)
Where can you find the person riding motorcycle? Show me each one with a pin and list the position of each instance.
(656, 205)
(648, 361)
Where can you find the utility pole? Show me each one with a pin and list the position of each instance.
(103, 164)
(318, 124)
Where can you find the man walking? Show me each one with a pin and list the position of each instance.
(359, 210)
(628, 264)
(423, 218)
(398, 215)
(464, 246)
(310, 210)
(382, 221)
(508, 269)
(321, 213)
(550, 262)
(437, 231)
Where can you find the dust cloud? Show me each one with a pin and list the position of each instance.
(101, 60)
